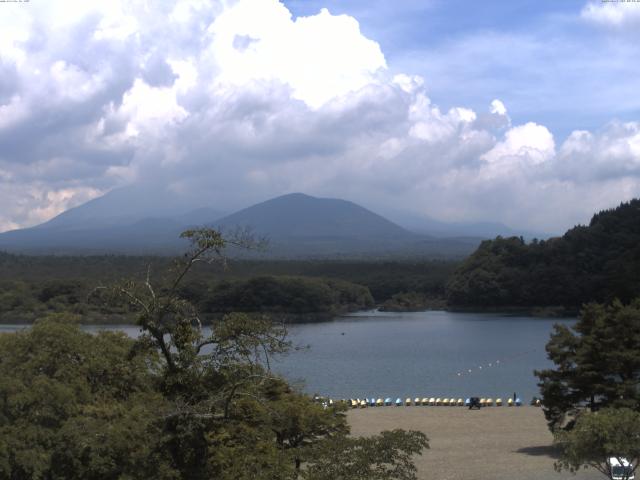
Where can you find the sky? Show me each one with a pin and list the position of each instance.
(523, 112)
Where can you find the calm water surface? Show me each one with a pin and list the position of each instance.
(435, 354)
(421, 354)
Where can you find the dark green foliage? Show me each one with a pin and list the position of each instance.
(34, 286)
(386, 457)
(597, 363)
(411, 302)
(176, 403)
(596, 437)
(76, 405)
(286, 294)
(598, 262)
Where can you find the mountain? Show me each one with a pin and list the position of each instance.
(124, 206)
(296, 225)
(598, 262)
(299, 225)
(302, 216)
(126, 220)
(436, 228)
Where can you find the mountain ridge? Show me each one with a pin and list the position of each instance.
(297, 224)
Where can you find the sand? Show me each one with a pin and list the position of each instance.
(494, 443)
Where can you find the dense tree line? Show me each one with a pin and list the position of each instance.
(31, 287)
(286, 295)
(598, 262)
(383, 278)
(175, 403)
(25, 301)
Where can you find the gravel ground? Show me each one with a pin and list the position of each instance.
(494, 443)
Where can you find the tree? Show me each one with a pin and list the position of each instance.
(387, 456)
(597, 363)
(231, 416)
(178, 402)
(75, 405)
(597, 437)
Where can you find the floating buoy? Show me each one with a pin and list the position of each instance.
(498, 402)
(379, 402)
(432, 401)
(510, 402)
(398, 402)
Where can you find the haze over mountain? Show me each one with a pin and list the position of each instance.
(436, 228)
(297, 225)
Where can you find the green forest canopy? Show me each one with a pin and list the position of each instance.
(598, 262)
(178, 402)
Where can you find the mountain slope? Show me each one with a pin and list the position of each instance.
(297, 225)
(125, 220)
(299, 215)
(598, 262)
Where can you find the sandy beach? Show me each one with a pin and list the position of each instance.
(494, 443)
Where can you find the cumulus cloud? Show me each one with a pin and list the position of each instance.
(231, 102)
(615, 14)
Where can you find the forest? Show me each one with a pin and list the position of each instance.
(597, 262)
(177, 402)
(31, 286)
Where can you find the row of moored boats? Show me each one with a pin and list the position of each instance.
(432, 401)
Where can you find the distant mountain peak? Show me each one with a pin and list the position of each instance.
(301, 215)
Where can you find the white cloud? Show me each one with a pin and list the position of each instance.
(320, 57)
(528, 144)
(616, 14)
(237, 101)
(498, 108)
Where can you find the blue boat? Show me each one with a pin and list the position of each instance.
(518, 402)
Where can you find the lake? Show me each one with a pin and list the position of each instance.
(434, 354)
